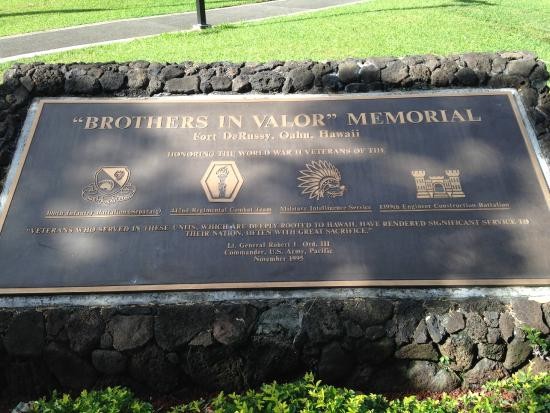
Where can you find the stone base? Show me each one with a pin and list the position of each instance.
(390, 344)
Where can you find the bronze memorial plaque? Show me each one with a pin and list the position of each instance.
(434, 188)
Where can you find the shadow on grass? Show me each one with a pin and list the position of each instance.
(303, 18)
(209, 4)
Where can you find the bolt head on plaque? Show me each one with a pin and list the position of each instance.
(222, 181)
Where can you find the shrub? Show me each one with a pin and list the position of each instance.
(521, 393)
(110, 400)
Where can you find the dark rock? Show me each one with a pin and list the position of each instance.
(133, 310)
(498, 65)
(139, 64)
(56, 319)
(321, 322)
(27, 83)
(5, 321)
(395, 72)
(485, 370)
(106, 341)
(335, 365)
(321, 69)
(149, 365)
(82, 85)
(234, 324)
(214, 369)
(374, 332)
(353, 330)
(108, 361)
(546, 312)
(203, 339)
(460, 350)
(506, 324)
(421, 333)
(374, 352)
(390, 377)
(529, 96)
(539, 76)
(241, 84)
(435, 328)
(370, 73)
(504, 81)
(453, 322)
(418, 352)
(173, 358)
(48, 82)
(357, 88)
(267, 82)
(444, 75)
(517, 354)
(155, 86)
(348, 71)
(111, 81)
(300, 79)
(84, 329)
(130, 332)
(25, 379)
(206, 87)
(283, 320)
(493, 335)
(278, 361)
(426, 376)
(25, 335)
(478, 61)
(407, 316)
(221, 83)
(11, 85)
(171, 72)
(492, 351)
(522, 68)
(467, 77)
(229, 331)
(491, 318)
(155, 69)
(476, 327)
(440, 78)
(529, 313)
(420, 74)
(332, 83)
(137, 78)
(95, 72)
(367, 312)
(20, 97)
(69, 369)
(187, 85)
(177, 326)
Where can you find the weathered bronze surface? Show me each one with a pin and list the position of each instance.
(253, 192)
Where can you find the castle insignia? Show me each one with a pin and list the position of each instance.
(111, 184)
(320, 179)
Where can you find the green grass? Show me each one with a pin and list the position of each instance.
(378, 28)
(24, 16)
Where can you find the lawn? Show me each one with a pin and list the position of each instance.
(24, 16)
(377, 28)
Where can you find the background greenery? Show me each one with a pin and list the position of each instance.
(521, 393)
(376, 28)
(24, 16)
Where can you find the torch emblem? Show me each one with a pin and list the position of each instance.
(222, 181)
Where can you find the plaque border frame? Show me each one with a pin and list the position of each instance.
(541, 169)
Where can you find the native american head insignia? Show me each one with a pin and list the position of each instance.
(111, 184)
(321, 179)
